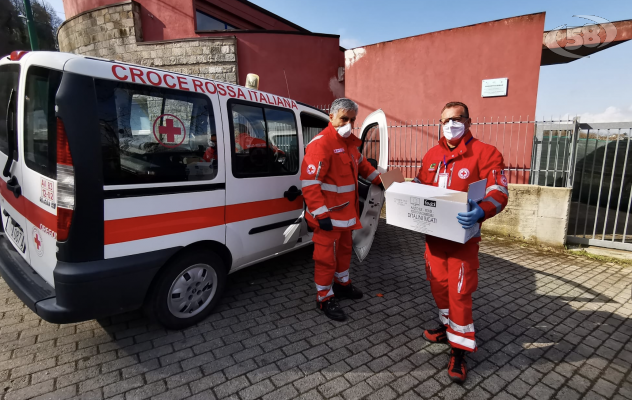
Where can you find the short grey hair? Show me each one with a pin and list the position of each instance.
(343, 104)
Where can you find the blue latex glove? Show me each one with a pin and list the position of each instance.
(471, 218)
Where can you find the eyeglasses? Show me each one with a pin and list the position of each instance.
(460, 118)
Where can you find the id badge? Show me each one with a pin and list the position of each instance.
(443, 180)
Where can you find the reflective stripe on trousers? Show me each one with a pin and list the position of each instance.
(342, 223)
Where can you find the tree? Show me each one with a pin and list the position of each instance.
(13, 34)
(13, 30)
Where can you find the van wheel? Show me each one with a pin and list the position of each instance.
(187, 290)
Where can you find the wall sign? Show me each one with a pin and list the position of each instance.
(494, 87)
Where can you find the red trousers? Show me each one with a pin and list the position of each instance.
(332, 256)
(452, 269)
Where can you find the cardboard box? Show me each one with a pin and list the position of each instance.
(431, 210)
(392, 176)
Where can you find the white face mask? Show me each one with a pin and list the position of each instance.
(212, 144)
(344, 130)
(453, 130)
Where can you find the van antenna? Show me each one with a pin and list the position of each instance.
(288, 86)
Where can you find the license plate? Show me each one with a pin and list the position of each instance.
(15, 232)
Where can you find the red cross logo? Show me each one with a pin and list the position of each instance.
(464, 173)
(311, 169)
(169, 130)
(39, 244)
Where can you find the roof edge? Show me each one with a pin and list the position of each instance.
(451, 29)
(273, 15)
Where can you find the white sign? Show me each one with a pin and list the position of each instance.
(494, 87)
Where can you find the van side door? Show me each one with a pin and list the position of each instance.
(263, 196)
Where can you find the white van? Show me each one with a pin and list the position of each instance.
(127, 187)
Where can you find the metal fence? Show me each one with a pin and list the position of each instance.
(410, 141)
(601, 178)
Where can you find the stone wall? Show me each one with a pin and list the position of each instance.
(534, 213)
(115, 32)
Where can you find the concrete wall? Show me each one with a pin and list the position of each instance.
(114, 32)
(534, 213)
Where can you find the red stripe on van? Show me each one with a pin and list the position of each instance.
(128, 229)
(258, 209)
(31, 211)
(137, 228)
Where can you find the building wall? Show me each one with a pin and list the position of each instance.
(412, 79)
(152, 35)
(114, 32)
(308, 62)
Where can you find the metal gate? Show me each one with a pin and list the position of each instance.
(594, 159)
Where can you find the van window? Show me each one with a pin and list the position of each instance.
(151, 135)
(264, 141)
(312, 126)
(371, 142)
(40, 124)
(9, 75)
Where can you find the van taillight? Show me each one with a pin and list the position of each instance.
(65, 183)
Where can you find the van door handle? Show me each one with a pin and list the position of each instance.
(14, 186)
(292, 193)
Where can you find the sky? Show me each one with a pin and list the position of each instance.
(597, 88)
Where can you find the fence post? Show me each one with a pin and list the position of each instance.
(572, 159)
(536, 154)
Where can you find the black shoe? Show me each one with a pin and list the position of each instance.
(347, 292)
(457, 368)
(332, 309)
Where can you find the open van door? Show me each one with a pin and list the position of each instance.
(374, 148)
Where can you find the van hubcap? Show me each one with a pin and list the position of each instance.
(192, 291)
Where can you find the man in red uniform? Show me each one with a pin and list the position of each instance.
(329, 176)
(452, 268)
(211, 152)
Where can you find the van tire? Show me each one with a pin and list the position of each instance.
(187, 275)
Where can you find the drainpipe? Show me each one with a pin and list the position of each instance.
(30, 23)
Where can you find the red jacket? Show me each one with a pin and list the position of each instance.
(329, 176)
(244, 142)
(470, 161)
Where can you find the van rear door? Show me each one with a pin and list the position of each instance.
(38, 164)
(11, 201)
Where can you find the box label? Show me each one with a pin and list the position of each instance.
(421, 216)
